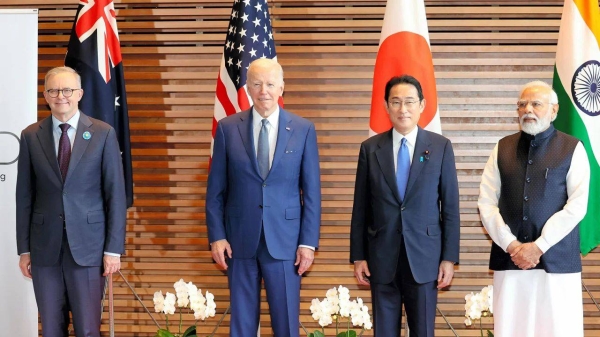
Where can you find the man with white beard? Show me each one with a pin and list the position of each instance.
(533, 194)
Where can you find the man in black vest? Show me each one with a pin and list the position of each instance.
(533, 194)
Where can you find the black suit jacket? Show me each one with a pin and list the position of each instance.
(428, 218)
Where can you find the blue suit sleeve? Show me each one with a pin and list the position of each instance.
(310, 183)
(216, 191)
(450, 210)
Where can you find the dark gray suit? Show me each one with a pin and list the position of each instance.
(68, 227)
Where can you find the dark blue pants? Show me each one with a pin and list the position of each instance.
(282, 284)
(419, 301)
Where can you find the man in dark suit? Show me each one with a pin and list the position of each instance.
(70, 209)
(263, 204)
(405, 226)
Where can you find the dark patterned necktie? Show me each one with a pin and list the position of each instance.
(64, 151)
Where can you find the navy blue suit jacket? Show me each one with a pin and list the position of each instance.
(287, 204)
(428, 218)
(91, 201)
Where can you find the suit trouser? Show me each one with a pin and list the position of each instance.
(68, 286)
(282, 284)
(419, 301)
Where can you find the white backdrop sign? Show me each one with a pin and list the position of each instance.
(18, 109)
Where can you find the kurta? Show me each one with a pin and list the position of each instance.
(535, 302)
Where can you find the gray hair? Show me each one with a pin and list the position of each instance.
(533, 84)
(61, 70)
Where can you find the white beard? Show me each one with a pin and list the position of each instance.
(533, 128)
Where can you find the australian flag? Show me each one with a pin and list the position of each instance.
(94, 52)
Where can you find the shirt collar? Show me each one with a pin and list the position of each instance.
(273, 118)
(72, 122)
(411, 137)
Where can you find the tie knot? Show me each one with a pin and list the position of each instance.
(402, 141)
(64, 127)
(264, 122)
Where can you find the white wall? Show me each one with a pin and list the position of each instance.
(18, 108)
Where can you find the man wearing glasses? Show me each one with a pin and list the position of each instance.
(405, 226)
(533, 194)
(71, 209)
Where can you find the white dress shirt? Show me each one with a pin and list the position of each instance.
(411, 140)
(559, 225)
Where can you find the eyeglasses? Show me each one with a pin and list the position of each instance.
(536, 105)
(66, 92)
(409, 103)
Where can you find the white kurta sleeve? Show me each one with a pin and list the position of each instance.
(489, 193)
(562, 222)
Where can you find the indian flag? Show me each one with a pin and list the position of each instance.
(577, 83)
(404, 50)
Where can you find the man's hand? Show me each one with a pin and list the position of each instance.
(25, 265)
(304, 259)
(512, 246)
(445, 274)
(112, 264)
(526, 256)
(361, 272)
(218, 249)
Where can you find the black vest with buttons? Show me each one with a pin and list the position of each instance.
(533, 171)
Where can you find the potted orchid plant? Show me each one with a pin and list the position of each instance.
(186, 294)
(479, 305)
(336, 306)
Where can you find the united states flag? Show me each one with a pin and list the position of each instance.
(249, 37)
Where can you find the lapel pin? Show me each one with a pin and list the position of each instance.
(287, 128)
(87, 135)
(426, 155)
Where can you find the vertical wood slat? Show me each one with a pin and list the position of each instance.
(483, 51)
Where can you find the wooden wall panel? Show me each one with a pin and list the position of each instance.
(483, 52)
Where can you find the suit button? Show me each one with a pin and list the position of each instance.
(60, 216)
(526, 237)
(530, 162)
(526, 198)
(264, 185)
(402, 208)
(399, 231)
(525, 218)
(528, 180)
(64, 193)
(259, 206)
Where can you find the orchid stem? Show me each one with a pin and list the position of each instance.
(481, 327)
(180, 319)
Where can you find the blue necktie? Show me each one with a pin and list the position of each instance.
(403, 168)
(262, 153)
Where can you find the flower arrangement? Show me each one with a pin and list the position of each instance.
(479, 305)
(185, 294)
(335, 305)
